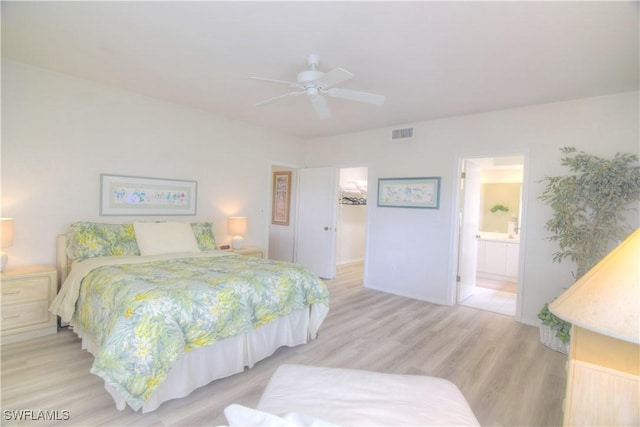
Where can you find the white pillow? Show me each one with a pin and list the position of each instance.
(238, 415)
(164, 237)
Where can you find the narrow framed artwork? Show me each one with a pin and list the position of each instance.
(423, 193)
(281, 198)
(134, 195)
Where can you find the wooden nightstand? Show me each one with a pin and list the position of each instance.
(250, 251)
(27, 293)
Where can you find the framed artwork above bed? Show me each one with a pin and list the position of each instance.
(134, 195)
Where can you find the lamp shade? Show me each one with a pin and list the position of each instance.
(7, 232)
(237, 225)
(606, 300)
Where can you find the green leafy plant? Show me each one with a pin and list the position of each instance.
(562, 328)
(499, 208)
(589, 206)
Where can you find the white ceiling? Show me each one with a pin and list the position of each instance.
(430, 59)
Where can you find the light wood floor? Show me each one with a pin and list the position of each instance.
(508, 377)
(498, 285)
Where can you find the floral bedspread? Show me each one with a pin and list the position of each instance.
(144, 316)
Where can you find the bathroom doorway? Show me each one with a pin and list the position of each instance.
(490, 200)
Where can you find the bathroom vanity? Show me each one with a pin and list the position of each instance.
(498, 256)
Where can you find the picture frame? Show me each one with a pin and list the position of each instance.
(135, 195)
(421, 192)
(281, 198)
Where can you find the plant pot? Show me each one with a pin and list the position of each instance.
(548, 338)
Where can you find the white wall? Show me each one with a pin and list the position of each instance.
(411, 251)
(59, 133)
(281, 237)
(351, 233)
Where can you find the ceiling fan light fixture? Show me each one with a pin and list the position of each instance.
(309, 76)
(315, 84)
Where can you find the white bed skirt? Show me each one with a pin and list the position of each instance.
(227, 357)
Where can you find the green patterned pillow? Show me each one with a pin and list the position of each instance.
(204, 236)
(90, 240)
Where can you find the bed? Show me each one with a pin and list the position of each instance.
(164, 312)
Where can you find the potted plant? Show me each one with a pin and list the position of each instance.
(499, 208)
(589, 206)
(555, 333)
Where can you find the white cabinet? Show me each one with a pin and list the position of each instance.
(498, 259)
(513, 259)
(495, 258)
(27, 293)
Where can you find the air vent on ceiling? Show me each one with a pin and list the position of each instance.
(402, 133)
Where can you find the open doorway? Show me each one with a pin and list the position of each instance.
(490, 199)
(343, 209)
(352, 216)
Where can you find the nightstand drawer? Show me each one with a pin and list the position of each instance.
(21, 315)
(23, 290)
(250, 251)
(27, 291)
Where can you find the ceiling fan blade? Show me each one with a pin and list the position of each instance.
(277, 98)
(282, 82)
(321, 106)
(335, 76)
(354, 95)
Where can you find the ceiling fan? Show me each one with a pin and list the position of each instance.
(315, 84)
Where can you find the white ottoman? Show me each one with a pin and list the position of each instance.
(350, 397)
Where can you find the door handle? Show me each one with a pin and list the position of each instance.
(326, 229)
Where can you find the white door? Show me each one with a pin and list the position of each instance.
(469, 228)
(316, 222)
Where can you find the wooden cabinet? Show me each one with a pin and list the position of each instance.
(603, 381)
(250, 251)
(498, 259)
(27, 293)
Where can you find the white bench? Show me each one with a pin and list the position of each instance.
(307, 395)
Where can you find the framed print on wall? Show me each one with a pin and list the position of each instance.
(281, 198)
(134, 195)
(421, 193)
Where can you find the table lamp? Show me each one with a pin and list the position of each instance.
(237, 227)
(7, 239)
(607, 299)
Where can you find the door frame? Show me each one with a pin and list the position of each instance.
(462, 215)
(455, 232)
